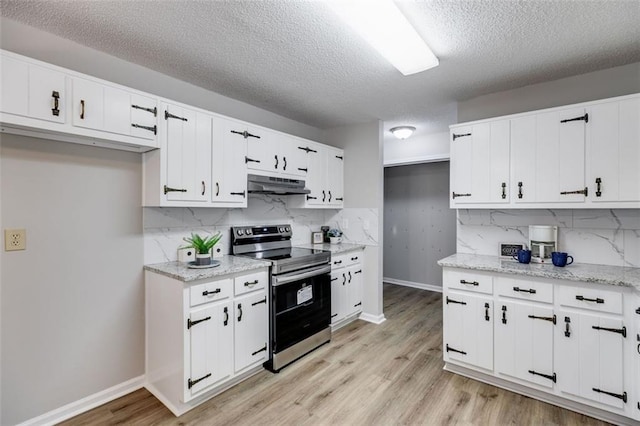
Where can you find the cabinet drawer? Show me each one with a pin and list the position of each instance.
(468, 280)
(340, 261)
(524, 289)
(211, 291)
(590, 298)
(353, 258)
(250, 282)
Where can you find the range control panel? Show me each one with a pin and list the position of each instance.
(256, 233)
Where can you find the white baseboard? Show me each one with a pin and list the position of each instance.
(421, 286)
(85, 404)
(375, 319)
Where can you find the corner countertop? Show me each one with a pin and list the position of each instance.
(228, 265)
(583, 272)
(333, 248)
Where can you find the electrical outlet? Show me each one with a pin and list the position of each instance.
(345, 223)
(186, 255)
(15, 239)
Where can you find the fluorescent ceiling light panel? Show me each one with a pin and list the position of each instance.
(384, 27)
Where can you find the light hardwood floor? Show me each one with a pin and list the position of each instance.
(368, 375)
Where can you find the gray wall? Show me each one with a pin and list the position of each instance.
(72, 312)
(419, 227)
(618, 81)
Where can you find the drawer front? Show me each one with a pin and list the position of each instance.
(211, 291)
(524, 289)
(353, 258)
(340, 261)
(591, 298)
(250, 282)
(468, 280)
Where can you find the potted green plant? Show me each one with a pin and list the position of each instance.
(202, 246)
(335, 236)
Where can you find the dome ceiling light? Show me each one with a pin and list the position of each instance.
(402, 132)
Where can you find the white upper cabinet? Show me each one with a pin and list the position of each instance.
(335, 177)
(480, 163)
(38, 98)
(584, 155)
(273, 152)
(613, 151)
(229, 173)
(324, 178)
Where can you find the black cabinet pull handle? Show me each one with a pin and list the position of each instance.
(504, 314)
(334, 279)
(153, 128)
(622, 330)
(56, 97)
(337, 262)
(567, 330)
(206, 292)
(584, 299)
(303, 169)
(307, 149)
(153, 110)
(344, 278)
(450, 349)
(168, 115)
(473, 283)
(349, 276)
(448, 300)
(584, 118)
(237, 193)
(551, 377)
(622, 396)
(239, 312)
(460, 135)
(260, 301)
(357, 304)
(486, 312)
(522, 290)
(358, 272)
(81, 109)
(245, 134)
(353, 259)
(250, 160)
(284, 160)
(638, 311)
(454, 195)
(324, 195)
(504, 190)
(192, 383)
(217, 189)
(334, 315)
(598, 189)
(329, 196)
(263, 349)
(192, 323)
(339, 199)
(584, 192)
(550, 319)
(204, 188)
(276, 157)
(309, 197)
(169, 189)
(520, 190)
(226, 316)
(250, 283)
(339, 157)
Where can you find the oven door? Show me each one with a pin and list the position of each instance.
(301, 305)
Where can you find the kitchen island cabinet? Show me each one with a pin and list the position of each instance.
(568, 336)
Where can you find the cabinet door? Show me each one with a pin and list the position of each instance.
(88, 104)
(210, 334)
(461, 165)
(229, 174)
(338, 295)
(523, 159)
(613, 151)
(317, 176)
(117, 111)
(261, 155)
(251, 330)
(293, 159)
(354, 289)
(468, 329)
(524, 342)
(335, 177)
(560, 153)
(498, 165)
(589, 358)
(188, 142)
(14, 94)
(47, 94)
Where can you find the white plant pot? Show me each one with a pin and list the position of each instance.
(203, 259)
(335, 240)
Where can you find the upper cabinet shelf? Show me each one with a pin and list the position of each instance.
(581, 156)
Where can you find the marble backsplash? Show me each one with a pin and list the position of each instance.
(165, 227)
(607, 237)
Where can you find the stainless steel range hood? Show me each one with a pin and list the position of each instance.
(275, 185)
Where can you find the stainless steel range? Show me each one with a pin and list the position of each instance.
(300, 290)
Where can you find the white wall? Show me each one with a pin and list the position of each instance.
(416, 149)
(364, 178)
(72, 303)
(610, 237)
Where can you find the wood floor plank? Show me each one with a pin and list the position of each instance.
(387, 374)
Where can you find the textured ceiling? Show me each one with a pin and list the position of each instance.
(296, 59)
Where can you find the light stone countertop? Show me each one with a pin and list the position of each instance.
(228, 265)
(333, 248)
(583, 272)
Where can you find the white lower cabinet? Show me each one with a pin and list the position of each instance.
(203, 337)
(346, 287)
(578, 343)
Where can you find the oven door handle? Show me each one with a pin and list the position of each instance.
(289, 278)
